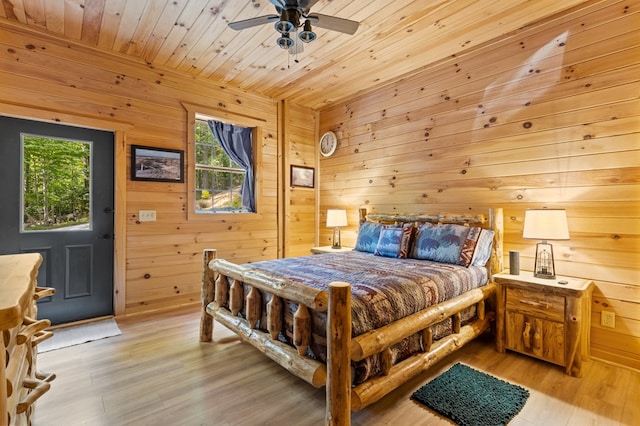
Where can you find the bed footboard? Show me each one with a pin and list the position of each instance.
(395, 375)
(224, 296)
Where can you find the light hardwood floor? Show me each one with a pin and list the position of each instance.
(158, 373)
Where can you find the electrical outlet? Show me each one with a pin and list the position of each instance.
(608, 319)
(147, 215)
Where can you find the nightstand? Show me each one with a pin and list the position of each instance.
(544, 319)
(328, 249)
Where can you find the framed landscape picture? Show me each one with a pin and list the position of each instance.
(157, 164)
(302, 176)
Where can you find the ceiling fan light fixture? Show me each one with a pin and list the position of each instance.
(307, 35)
(285, 41)
(284, 25)
(293, 33)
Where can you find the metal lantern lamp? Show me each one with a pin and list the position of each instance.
(545, 224)
(336, 219)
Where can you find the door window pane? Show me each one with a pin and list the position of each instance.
(56, 184)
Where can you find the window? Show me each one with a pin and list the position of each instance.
(221, 184)
(56, 184)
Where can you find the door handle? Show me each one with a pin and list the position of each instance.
(536, 304)
(108, 210)
(526, 336)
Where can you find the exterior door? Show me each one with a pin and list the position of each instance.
(57, 200)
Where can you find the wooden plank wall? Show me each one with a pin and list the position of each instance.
(545, 117)
(71, 83)
(299, 131)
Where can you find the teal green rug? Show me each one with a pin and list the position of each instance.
(472, 398)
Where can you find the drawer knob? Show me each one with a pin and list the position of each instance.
(38, 388)
(41, 336)
(42, 292)
(526, 335)
(32, 327)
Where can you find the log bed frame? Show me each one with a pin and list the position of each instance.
(223, 285)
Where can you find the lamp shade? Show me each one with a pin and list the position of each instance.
(336, 218)
(546, 224)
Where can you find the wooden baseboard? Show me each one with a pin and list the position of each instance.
(81, 322)
(616, 364)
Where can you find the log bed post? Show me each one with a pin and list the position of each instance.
(362, 215)
(208, 288)
(338, 400)
(496, 224)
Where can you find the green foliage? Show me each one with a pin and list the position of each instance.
(215, 173)
(56, 183)
(236, 203)
(209, 152)
(37, 227)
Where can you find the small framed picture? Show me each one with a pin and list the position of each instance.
(302, 176)
(157, 164)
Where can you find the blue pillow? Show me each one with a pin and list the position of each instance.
(368, 237)
(394, 242)
(440, 243)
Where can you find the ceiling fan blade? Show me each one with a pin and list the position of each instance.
(334, 23)
(306, 5)
(279, 4)
(253, 22)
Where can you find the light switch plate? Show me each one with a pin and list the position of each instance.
(147, 215)
(608, 319)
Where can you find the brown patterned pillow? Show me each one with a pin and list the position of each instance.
(469, 246)
(483, 249)
(476, 248)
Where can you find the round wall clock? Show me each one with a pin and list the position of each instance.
(328, 144)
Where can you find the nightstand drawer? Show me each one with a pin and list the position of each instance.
(547, 306)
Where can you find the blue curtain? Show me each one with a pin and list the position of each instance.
(236, 143)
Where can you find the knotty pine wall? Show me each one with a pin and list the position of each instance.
(158, 263)
(300, 128)
(546, 117)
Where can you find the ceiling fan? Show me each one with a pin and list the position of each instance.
(288, 21)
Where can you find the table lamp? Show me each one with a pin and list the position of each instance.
(545, 224)
(336, 219)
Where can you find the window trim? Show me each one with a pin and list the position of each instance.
(207, 113)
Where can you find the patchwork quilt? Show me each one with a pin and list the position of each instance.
(384, 289)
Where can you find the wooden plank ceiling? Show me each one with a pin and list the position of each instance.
(395, 38)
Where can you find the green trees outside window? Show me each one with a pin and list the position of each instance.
(56, 178)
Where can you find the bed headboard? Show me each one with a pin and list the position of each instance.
(492, 220)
